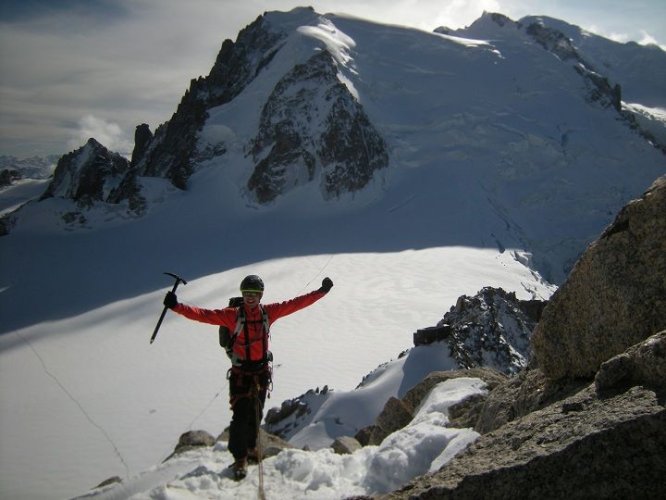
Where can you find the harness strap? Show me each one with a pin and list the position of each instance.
(255, 386)
(241, 325)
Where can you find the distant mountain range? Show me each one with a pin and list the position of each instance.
(548, 127)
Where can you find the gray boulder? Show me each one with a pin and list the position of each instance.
(520, 395)
(345, 445)
(191, 440)
(614, 297)
(643, 364)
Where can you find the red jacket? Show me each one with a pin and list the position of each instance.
(253, 319)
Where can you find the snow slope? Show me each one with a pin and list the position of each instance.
(422, 446)
(481, 174)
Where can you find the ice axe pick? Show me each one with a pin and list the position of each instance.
(179, 280)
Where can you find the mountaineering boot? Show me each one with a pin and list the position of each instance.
(239, 469)
(253, 456)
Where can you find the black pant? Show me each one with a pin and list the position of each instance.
(247, 394)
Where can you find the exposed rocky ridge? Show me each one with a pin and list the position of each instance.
(491, 329)
(283, 420)
(602, 89)
(599, 88)
(90, 174)
(618, 61)
(615, 295)
(171, 153)
(582, 447)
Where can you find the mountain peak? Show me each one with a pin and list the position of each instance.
(88, 174)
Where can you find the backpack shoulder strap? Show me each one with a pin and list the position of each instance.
(240, 323)
(264, 317)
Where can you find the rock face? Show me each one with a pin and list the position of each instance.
(490, 329)
(89, 174)
(142, 137)
(614, 297)
(311, 98)
(642, 364)
(581, 447)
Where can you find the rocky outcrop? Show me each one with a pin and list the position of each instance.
(270, 444)
(490, 329)
(397, 413)
(93, 174)
(614, 297)
(582, 447)
(347, 148)
(142, 137)
(87, 175)
(8, 176)
(599, 88)
(286, 419)
(345, 445)
(642, 364)
(553, 41)
(488, 337)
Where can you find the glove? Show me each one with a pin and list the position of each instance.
(326, 285)
(170, 300)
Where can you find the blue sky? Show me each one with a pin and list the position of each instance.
(73, 69)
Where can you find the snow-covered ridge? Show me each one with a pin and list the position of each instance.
(426, 444)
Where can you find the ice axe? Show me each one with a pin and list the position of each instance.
(179, 280)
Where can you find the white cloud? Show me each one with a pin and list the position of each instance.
(109, 134)
(648, 39)
(133, 63)
(616, 37)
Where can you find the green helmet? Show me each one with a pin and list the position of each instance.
(252, 283)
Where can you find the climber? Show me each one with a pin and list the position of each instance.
(250, 374)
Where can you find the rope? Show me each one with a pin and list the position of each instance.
(321, 270)
(74, 400)
(204, 410)
(260, 451)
